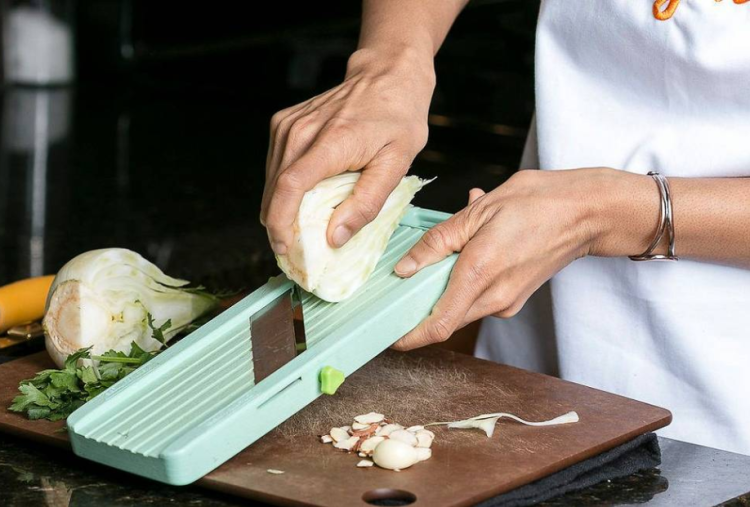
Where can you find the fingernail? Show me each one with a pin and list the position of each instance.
(405, 266)
(341, 235)
(279, 248)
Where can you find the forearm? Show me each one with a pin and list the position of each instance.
(418, 24)
(403, 33)
(711, 218)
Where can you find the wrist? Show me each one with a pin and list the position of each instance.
(625, 216)
(409, 61)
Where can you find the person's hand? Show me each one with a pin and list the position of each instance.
(516, 237)
(376, 121)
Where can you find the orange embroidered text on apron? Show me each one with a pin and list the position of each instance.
(671, 6)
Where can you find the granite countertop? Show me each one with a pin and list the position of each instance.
(33, 475)
(174, 170)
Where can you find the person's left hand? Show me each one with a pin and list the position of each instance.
(516, 237)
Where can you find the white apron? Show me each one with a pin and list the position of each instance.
(617, 87)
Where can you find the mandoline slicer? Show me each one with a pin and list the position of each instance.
(195, 405)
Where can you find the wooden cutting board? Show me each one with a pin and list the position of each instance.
(413, 388)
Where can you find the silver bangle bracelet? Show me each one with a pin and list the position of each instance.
(666, 224)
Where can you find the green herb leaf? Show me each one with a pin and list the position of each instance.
(55, 394)
(110, 354)
(65, 379)
(42, 378)
(110, 371)
(30, 396)
(38, 412)
(72, 361)
(136, 351)
(127, 370)
(157, 333)
(88, 376)
(94, 390)
(115, 359)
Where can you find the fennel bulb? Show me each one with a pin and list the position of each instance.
(334, 274)
(103, 299)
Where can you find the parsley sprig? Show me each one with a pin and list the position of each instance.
(55, 394)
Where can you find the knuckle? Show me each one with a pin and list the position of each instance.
(276, 120)
(475, 214)
(301, 131)
(367, 209)
(510, 310)
(401, 347)
(441, 329)
(509, 313)
(284, 124)
(289, 181)
(505, 304)
(436, 239)
(392, 166)
(340, 127)
(392, 158)
(278, 117)
(282, 127)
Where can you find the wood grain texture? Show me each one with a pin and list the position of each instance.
(466, 467)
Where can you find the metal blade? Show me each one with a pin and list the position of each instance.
(21, 334)
(277, 334)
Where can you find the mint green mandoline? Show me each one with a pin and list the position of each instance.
(194, 406)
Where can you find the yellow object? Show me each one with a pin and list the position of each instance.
(23, 301)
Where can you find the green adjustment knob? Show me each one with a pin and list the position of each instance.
(330, 379)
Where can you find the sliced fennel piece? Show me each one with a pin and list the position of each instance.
(486, 425)
(486, 422)
(334, 274)
(101, 299)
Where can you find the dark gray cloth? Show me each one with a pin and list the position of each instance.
(641, 453)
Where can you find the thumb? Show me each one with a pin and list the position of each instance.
(438, 243)
(474, 194)
(329, 155)
(379, 178)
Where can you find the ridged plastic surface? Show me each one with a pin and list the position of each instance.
(321, 317)
(195, 405)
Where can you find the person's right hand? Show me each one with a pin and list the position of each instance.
(375, 121)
